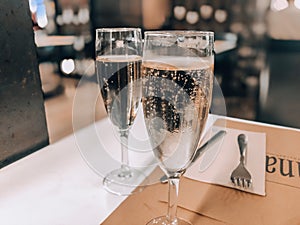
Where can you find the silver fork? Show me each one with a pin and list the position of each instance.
(240, 176)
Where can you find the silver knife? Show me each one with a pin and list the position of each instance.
(201, 150)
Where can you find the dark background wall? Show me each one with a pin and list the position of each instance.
(22, 116)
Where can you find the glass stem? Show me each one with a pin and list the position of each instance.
(173, 199)
(124, 149)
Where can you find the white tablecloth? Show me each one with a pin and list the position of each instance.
(55, 186)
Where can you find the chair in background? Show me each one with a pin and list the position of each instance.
(23, 127)
(225, 62)
(279, 97)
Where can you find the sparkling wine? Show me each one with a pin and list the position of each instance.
(119, 80)
(176, 101)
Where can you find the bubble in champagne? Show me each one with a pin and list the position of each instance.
(99, 147)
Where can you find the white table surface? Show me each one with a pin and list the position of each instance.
(223, 46)
(55, 186)
(43, 40)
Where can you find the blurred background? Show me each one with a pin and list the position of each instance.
(253, 74)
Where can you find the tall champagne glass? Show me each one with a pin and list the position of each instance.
(177, 72)
(118, 61)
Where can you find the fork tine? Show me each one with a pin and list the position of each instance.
(249, 182)
(234, 181)
(241, 182)
(245, 184)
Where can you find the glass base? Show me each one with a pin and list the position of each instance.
(124, 181)
(163, 220)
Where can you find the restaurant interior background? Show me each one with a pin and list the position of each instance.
(243, 72)
(259, 77)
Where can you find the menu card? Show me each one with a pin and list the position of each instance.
(204, 203)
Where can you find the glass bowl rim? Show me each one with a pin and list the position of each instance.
(118, 29)
(186, 33)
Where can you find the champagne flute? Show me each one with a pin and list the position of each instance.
(177, 73)
(118, 61)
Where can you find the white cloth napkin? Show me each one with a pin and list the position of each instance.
(217, 163)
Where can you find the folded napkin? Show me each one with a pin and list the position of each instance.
(217, 163)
